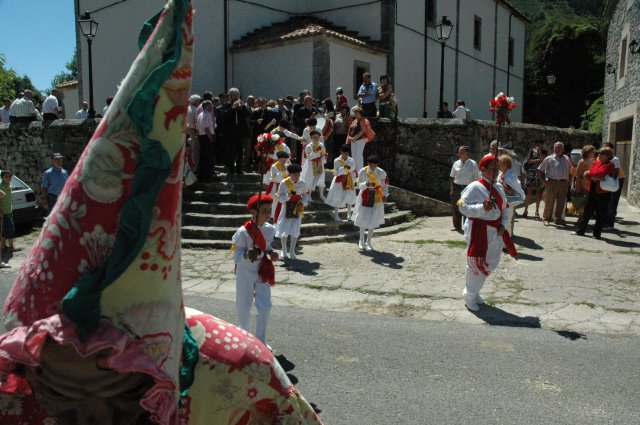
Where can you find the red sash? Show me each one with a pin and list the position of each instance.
(267, 271)
(479, 244)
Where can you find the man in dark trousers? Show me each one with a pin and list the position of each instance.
(235, 129)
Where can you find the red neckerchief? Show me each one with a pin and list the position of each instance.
(478, 243)
(267, 271)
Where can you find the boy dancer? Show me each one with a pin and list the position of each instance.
(255, 273)
(313, 168)
(293, 196)
(277, 174)
(343, 188)
(484, 203)
(306, 136)
(369, 212)
(280, 147)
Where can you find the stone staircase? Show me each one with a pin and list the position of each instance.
(212, 212)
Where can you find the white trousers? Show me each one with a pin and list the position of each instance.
(473, 282)
(357, 153)
(246, 292)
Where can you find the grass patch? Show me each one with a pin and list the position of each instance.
(450, 244)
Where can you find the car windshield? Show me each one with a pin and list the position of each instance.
(17, 184)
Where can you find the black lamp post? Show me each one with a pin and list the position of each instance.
(89, 27)
(551, 81)
(443, 31)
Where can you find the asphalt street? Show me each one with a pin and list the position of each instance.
(370, 369)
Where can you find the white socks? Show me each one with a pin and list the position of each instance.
(336, 217)
(361, 241)
(284, 253)
(369, 237)
(292, 250)
(321, 193)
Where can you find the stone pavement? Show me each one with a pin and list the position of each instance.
(560, 282)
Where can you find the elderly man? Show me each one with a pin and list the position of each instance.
(22, 109)
(4, 111)
(192, 130)
(83, 113)
(555, 170)
(50, 106)
(206, 124)
(234, 122)
(463, 172)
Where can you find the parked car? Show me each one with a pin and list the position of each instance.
(576, 155)
(23, 201)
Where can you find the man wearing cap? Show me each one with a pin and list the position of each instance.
(53, 181)
(254, 257)
(340, 98)
(484, 203)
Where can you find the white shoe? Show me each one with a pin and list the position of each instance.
(284, 254)
(472, 306)
(361, 245)
(336, 218)
(479, 300)
(369, 246)
(4, 265)
(268, 347)
(292, 255)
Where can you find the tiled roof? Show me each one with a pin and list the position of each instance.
(299, 27)
(67, 84)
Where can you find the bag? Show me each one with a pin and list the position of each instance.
(609, 184)
(579, 199)
(189, 177)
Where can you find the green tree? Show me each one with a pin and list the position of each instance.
(11, 83)
(71, 72)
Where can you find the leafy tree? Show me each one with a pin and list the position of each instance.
(11, 83)
(71, 72)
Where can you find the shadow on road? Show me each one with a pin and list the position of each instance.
(528, 257)
(526, 242)
(498, 317)
(573, 336)
(385, 259)
(622, 244)
(303, 267)
(288, 366)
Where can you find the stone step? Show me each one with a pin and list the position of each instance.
(346, 236)
(307, 229)
(236, 218)
(221, 185)
(240, 207)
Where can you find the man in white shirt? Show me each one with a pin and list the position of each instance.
(50, 105)
(83, 113)
(461, 110)
(463, 172)
(206, 123)
(4, 111)
(192, 129)
(22, 109)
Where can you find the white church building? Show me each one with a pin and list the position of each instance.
(276, 48)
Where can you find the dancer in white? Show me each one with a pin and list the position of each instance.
(276, 175)
(255, 273)
(374, 189)
(484, 203)
(313, 168)
(342, 191)
(280, 146)
(306, 137)
(293, 196)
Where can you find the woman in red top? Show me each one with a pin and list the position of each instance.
(598, 202)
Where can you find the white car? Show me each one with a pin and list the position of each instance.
(23, 201)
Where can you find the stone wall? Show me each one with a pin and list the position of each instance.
(622, 94)
(418, 153)
(26, 149)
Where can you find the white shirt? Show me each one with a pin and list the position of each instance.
(306, 136)
(82, 114)
(192, 117)
(50, 105)
(460, 112)
(206, 120)
(381, 176)
(22, 108)
(464, 173)
(244, 241)
(104, 110)
(473, 197)
(4, 115)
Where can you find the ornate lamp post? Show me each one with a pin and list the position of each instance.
(89, 27)
(443, 31)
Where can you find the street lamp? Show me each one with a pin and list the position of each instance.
(89, 27)
(443, 31)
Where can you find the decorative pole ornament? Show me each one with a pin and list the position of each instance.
(501, 105)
